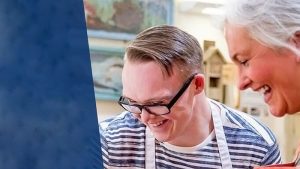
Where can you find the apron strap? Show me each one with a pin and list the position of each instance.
(149, 150)
(220, 136)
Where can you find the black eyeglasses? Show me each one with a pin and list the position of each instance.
(156, 109)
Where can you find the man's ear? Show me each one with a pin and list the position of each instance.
(295, 39)
(199, 83)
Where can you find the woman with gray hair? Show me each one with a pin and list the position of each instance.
(263, 39)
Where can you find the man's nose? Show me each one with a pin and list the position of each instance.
(145, 116)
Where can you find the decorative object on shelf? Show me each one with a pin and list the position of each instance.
(107, 65)
(123, 19)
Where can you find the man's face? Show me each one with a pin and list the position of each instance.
(145, 84)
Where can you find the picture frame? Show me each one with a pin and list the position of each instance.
(107, 65)
(123, 19)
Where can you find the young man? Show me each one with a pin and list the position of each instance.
(169, 122)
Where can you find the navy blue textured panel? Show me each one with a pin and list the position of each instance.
(48, 116)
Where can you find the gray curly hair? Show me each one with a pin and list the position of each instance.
(271, 22)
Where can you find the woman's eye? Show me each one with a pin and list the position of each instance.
(244, 62)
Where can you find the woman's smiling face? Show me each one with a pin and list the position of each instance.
(268, 71)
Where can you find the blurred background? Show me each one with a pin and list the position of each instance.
(111, 24)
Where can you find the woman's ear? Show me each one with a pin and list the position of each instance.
(295, 39)
(199, 82)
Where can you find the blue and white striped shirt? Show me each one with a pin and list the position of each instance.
(249, 142)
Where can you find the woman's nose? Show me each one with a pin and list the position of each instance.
(243, 81)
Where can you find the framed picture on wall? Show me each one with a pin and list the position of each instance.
(123, 19)
(107, 65)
